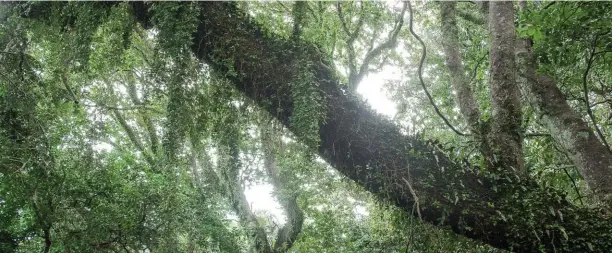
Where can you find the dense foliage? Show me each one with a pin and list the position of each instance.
(118, 134)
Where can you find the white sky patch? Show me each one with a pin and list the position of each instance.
(371, 88)
(261, 199)
(361, 211)
(102, 147)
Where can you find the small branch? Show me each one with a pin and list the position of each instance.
(11, 53)
(573, 181)
(153, 138)
(123, 108)
(415, 197)
(550, 4)
(475, 71)
(601, 52)
(377, 51)
(586, 96)
(132, 136)
(284, 6)
(64, 78)
(601, 102)
(536, 135)
(420, 74)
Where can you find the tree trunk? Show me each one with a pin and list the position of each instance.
(460, 82)
(506, 139)
(238, 199)
(295, 216)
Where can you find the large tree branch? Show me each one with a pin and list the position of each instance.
(146, 119)
(133, 137)
(370, 150)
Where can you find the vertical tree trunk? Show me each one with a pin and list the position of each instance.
(460, 82)
(48, 242)
(239, 201)
(295, 216)
(505, 136)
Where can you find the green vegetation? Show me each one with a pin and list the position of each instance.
(142, 127)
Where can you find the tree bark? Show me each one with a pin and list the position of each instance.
(506, 139)
(460, 81)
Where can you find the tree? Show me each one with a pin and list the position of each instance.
(296, 83)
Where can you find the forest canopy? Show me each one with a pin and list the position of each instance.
(384, 126)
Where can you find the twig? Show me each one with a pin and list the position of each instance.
(601, 102)
(415, 197)
(420, 74)
(567, 173)
(573, 183)
(478, 65)
(537, 135)
(550, 4)
(586, 95)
